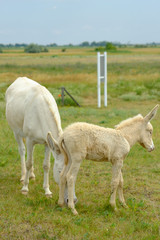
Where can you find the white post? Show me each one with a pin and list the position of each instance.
(105, 79)
(102, 77)
(98, 80)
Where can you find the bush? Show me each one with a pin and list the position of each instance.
(110, 46)
(34, 48)
(45, 49)
(1, 50)
(100, 49)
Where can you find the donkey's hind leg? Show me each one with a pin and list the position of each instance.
(22, 150)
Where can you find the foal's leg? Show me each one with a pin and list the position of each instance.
(46, 167)
(116, 170)
(120, 191)
(62, 183)
(66, 195)
(71, 178)
(29, 164)
(21, 149)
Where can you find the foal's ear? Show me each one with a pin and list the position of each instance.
(151, 114)
(52, 143)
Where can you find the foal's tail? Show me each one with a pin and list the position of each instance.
(63, 150)
(58, 146)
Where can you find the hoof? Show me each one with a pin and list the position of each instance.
(125, 206)
(115, 209)
(24, 190)
(113, 206)
(60, 203)
(74, 211)
(32, 178)
(24, 193)
(48, 195)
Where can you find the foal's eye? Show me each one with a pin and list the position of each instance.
(150, 132)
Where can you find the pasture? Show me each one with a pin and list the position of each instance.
(133, 87)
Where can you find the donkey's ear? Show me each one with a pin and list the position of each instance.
(52, 143)
(151, 114)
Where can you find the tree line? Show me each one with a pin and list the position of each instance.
(83, 44)
(99, 46)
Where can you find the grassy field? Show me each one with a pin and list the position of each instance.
(133, 87)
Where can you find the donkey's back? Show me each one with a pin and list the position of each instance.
(19, 97)
(28, 107)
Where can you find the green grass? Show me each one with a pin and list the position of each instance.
(133, 87)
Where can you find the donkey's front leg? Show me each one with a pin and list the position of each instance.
(116, 170)
(120, 192)
(46, 167)
(29, 165)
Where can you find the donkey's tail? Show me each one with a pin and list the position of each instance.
(64, 150)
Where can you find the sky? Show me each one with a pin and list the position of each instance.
(75, 21)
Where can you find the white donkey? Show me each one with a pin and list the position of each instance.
(32, 112)
(87, 141)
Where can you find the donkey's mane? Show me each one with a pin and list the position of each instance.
(129, 121)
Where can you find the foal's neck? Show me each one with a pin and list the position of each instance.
(131, 133)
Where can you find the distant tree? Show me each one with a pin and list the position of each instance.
(98, 44)
(10, 45)
(140, 46)
(20, 45)
(102, 44)
(53, 45)
(32, 48)
(84, 44)
(1, 51)
(35, 48)
(93, 44)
